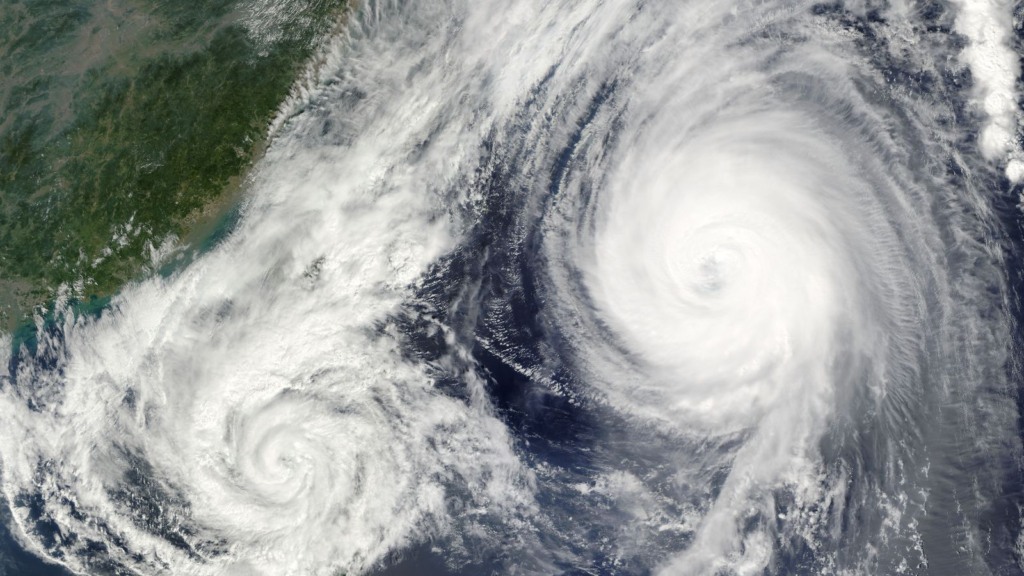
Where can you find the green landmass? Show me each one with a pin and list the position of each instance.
(122, 122)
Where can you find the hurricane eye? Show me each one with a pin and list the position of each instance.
(715, 270)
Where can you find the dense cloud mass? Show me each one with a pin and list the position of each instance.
(571, 287)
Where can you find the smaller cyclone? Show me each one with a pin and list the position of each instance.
(292, 451)
(223, 458)
(281, 458)
(294, 464)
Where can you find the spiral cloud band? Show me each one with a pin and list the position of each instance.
(610, 287)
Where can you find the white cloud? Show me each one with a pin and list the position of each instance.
(988, 26)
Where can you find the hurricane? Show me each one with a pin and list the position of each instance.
(571, 287)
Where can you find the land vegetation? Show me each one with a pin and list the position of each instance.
(125, 123)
